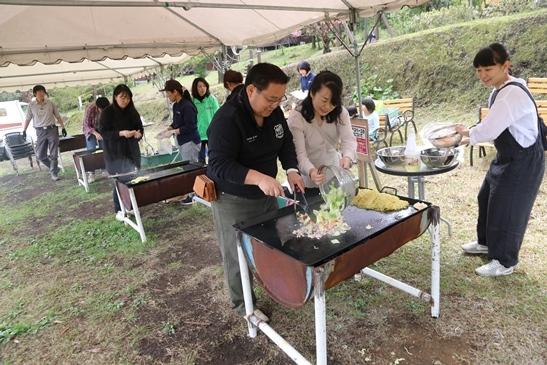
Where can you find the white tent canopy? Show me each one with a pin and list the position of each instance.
(48, 31)
(14, 77)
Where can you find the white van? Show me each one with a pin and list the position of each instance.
(12, 119)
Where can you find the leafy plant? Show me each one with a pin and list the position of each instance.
(372, 86)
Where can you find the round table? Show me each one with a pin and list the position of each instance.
(416, 178)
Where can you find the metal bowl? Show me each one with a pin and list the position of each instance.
(444, 137)
(391, 156)
(438, 157)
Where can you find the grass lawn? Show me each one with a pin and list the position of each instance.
(76, 286)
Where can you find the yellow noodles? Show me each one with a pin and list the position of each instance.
(374, 200)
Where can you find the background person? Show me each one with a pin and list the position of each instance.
(207, 106)
(512, 182)
(306, 75)
(233, 82)
(121, 128)
(93, 139)
(318, 125)
(247, 136)
(184, 125)
(371, 115)
(43, 114)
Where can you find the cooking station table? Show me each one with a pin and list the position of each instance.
(70, 143)
(292, 269)
(416, 178)
(87, 161)
(157, 184)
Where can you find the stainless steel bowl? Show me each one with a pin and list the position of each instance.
(438, 157)
(444, 137)
(391, 155)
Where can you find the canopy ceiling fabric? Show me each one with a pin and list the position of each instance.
(48, 31)
(14, 77)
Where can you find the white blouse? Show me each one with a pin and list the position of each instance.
(512, 109)
(317, 142)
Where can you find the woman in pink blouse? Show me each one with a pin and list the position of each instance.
(321, 129)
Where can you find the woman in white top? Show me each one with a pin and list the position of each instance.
(321, 129)
(511, 185)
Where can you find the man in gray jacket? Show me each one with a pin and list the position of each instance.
(43, 114)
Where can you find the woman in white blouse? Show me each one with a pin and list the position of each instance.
(321, 129)
(511, 185)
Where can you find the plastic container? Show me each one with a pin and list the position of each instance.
(336, 176)
(412, 153)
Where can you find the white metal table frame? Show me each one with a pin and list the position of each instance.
(419, 182)
(81, 174)
(137, 224)
(254, 322)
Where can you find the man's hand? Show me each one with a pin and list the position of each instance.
(137, 134)
(98, 136)
(316, 177)
(345, 162)
(295, 181)
(24, 135)
(63, 132)
(270, 186)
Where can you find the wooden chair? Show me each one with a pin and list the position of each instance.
(483, 111)
(537, 85)
(382, 132)
(406, 114)
(542, 109)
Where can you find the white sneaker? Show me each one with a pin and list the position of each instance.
(90, 177)
(120, 216)
(475, 248)
(494, 268)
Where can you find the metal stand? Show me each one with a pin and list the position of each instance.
(434, 298)
(255, 323)
(420, 183)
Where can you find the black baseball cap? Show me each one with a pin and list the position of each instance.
(172, 85)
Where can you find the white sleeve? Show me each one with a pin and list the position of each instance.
(297, 124)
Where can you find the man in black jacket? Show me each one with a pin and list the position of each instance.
(246, 137)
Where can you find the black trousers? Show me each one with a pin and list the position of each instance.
(505, 202)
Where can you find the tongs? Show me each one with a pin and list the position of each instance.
(302, 203)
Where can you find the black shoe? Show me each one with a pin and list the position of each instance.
(187, 201)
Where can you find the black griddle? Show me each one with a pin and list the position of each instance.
(159, 172)
(275, 229)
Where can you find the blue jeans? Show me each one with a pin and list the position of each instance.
(203, 152)
(91, 143)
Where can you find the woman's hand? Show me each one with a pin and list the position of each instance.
(295, 181)
(345, 162)
(125, 133)
(98, 136)
(316, 177)
(462, 129)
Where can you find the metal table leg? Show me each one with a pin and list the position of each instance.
(410, 180)
(246, 283)
(253, 322)
(320, 316)
(434, 231)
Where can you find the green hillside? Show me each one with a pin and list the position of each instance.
(436, 66)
